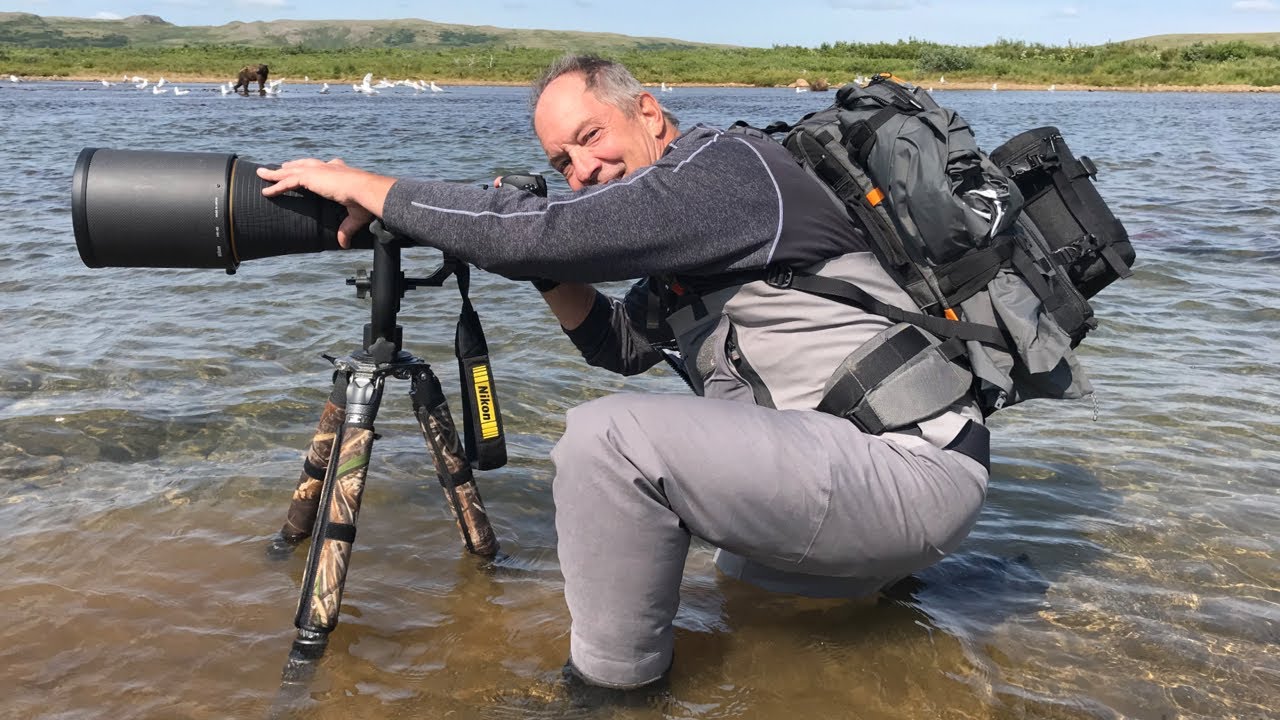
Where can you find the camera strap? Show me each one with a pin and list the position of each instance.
(485, 443)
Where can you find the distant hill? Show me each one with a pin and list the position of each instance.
(27, 30)
(1178, 41)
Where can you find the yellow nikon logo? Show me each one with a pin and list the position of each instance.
(484, 402)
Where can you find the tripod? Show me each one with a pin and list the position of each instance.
(326, 502)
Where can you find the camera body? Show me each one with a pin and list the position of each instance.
(532, 182)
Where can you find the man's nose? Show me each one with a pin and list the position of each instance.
(585, 166)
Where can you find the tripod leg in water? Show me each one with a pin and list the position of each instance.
(335, 529)
(301, 518)
(452, 468)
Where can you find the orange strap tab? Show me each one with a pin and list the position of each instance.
(950, 315)
(875, 197)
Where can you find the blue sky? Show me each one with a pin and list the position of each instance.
(745, 22)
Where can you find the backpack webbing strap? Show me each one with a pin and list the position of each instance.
(974, 442)
(1069, 316)
(1076, 207)
(861, 135)
(783, 276)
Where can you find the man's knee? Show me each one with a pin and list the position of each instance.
(607, 454)
(596, 427)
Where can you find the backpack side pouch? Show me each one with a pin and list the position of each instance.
(899, 377)
(1060, 197)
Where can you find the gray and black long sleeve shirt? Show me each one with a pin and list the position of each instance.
(714, 203)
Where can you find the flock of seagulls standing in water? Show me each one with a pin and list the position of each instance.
(364, 88)
(272, 88)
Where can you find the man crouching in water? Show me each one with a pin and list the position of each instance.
(795, 499)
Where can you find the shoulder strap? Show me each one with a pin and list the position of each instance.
(783, 276)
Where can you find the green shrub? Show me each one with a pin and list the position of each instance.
(944, 59)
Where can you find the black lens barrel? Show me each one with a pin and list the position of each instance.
(151, 208)
(289, 224)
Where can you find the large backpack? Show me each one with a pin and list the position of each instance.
(999, 260)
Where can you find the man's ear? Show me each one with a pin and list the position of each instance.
(651, 115)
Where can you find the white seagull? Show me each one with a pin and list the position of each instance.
(435, 87)
(325, 90)
(14, 78)
(180, 91)
(364, 86)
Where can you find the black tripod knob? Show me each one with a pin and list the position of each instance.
(362, 283)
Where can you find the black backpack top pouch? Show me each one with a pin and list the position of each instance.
(1060, 198)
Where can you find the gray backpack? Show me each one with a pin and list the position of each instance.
(948, 225)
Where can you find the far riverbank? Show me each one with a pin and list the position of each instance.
(969, 84)
(1229, 67)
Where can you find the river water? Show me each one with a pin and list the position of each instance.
(152, 425)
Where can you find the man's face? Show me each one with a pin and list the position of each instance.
(591, 142)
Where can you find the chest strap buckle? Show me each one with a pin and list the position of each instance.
(778, 275)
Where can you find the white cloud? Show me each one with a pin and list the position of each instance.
(264, 3)
(1254, 6)
(1068, 11)
(106, 15)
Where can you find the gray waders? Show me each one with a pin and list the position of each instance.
(798, 501)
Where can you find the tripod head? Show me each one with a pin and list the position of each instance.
(383, 338)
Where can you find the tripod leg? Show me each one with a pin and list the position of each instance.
(306, 496)
(432, 410)
(339, 508)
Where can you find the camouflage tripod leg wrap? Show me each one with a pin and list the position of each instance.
(326, 572)
(306, 496)
(452, 468)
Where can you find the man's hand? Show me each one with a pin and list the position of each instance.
(362, 193)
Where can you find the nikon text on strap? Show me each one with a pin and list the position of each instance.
(482, 421)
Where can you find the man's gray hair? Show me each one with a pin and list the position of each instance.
(610, 81)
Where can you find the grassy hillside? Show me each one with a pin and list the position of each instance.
(26, 30)
(1181, 41)
(344, 51)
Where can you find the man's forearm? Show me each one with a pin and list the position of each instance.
(570, 302)
(370, 192)
(603, 329)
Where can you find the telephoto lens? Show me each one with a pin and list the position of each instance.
(151, 208)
